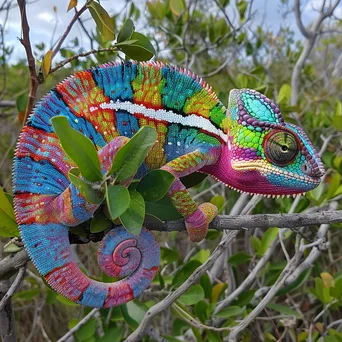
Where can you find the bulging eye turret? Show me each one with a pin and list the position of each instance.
(280, 147)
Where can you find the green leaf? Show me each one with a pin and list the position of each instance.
(163, 209)
(206, 284)
(192, 295)
(86, 189)
(284, 95)
(126, 31)
(129, 320)
(99, 222)
(239, 258)
(256, 244)
(112, 335)
(118, 200)
(22, 102)
(201, 255)
(185, 272)
(133, 218)
(177, 7)
(102, 19)
(283, 309)
(168, 255)
(130, 156)
(86, 330)
(193, 179)
(231, 311)
(334, 184)
(201, 310)
(79, 148)
(219, 201)
(66, 301)
(141, 50)
(242, 7)
(5, 205)
(244, 298)
(337, 118)
(267, 239)
(336, 291)
(154, 185)
(27, 294)
(8, 226)
(157, 9)
(12, 248)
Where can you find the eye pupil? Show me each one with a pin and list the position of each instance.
(280, 147)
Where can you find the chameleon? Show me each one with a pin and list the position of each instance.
(247, 146)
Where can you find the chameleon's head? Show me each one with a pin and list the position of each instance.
(268, 156)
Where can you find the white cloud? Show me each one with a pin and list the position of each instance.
(46, 16)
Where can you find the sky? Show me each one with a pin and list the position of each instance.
(42, 19)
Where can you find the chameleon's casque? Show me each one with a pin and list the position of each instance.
(248, 147)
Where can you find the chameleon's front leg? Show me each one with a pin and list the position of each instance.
(198, 218)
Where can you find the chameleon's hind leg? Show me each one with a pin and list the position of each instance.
(198, 218)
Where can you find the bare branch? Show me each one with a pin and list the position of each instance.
(223, 222)
(25, 41)
(269, 296)
(300, 25)
(68, 29)
(78, 325)
(16, 283)
(83, 54)
(167, 301)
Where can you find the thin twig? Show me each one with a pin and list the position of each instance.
(167, 301)
(16, 283)
(68, 29)
(82, 54)
(78, 325)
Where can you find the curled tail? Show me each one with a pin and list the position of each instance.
(121, 254)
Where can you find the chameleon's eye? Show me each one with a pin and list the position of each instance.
(280, 147)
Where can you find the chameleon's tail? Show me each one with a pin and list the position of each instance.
(121, 254)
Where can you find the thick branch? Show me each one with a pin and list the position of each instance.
(14, 261)
(222, 222)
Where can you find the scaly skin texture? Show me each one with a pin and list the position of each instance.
(247, 147)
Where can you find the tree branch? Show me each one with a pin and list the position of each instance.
(11, 263)
(138, 334)
(300, 25)
(68, 29)
(222, 222)
(25, 41)
(16, 283)
(82, 54)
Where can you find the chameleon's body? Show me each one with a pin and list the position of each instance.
(248, 147)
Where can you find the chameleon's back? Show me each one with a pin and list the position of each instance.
(104, 103)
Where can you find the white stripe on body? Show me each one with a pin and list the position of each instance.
(191, 120)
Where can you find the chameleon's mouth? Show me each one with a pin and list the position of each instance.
(266, 169)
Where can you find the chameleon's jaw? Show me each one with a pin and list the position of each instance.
(257, 177)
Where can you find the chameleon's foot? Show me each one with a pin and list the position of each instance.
(197, 223)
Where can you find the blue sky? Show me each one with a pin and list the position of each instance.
(42, 19)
